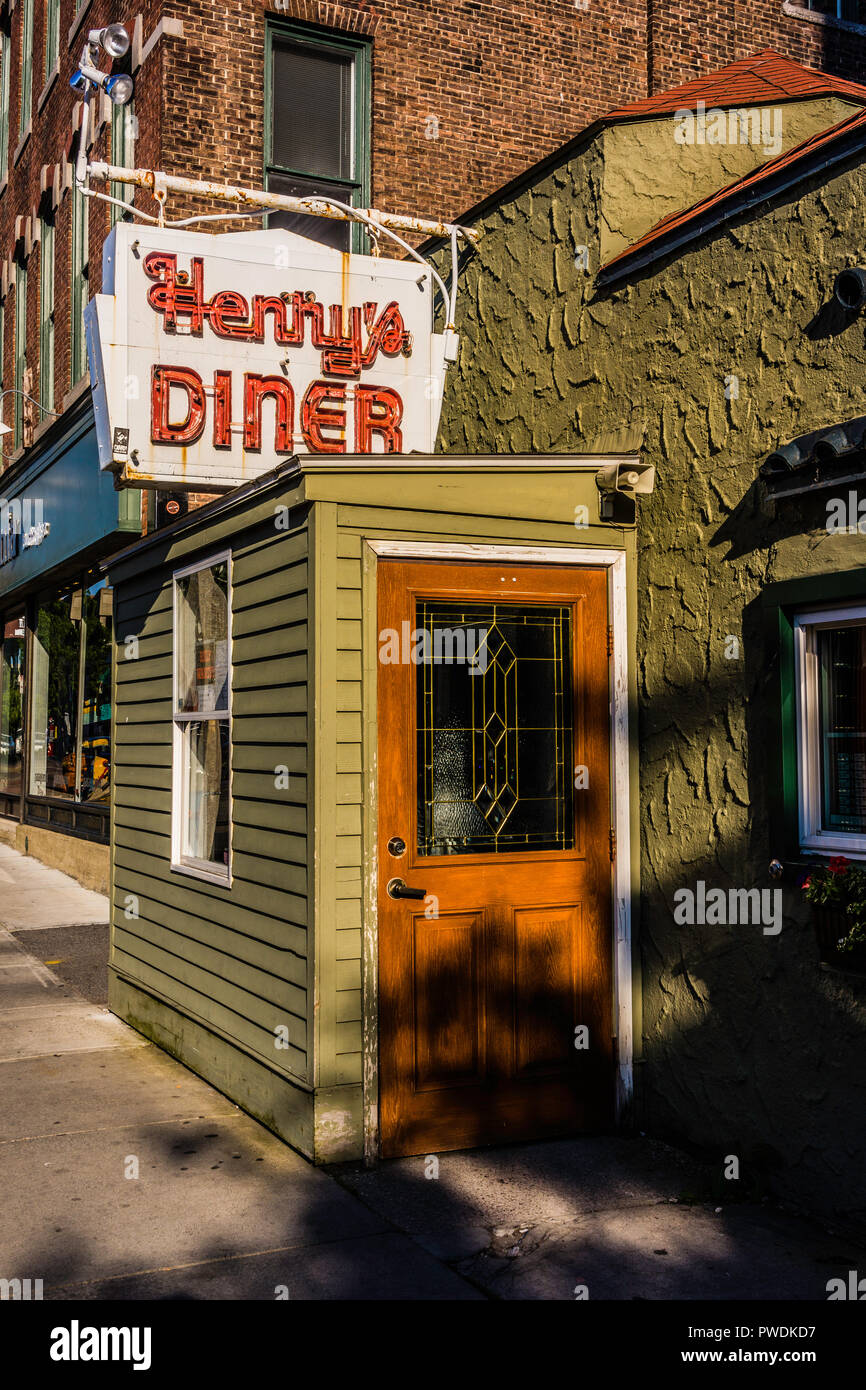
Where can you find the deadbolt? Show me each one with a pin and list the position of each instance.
(396, 846)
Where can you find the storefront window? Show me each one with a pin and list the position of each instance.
(11, 707)
(96, 709)
(201, 817)
(70, 722)
(54, 722)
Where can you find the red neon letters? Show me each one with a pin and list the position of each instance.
(180, 294)
(378, 411)
(328, 410)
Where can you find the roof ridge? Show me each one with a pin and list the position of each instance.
(768, 67)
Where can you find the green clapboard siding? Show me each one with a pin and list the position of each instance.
(234, 959)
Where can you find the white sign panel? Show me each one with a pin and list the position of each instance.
(212, 357)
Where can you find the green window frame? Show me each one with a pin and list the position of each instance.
(20, 347)
(26, 68)
(52, 36)
(5, 70)
(123, 155)
(46, 315)
(78, 356)
(355, 189)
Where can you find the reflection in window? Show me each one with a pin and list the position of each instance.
(201, 825)
(495, 708)
(842, 694)
(54, 719)
(70, 719)
(96, 710)
(319, 110)
(202, 640)
(854, 10)
(11, 706)
(207, 791)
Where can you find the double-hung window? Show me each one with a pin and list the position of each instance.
(20, 347)
(201, 759)
(52, 37)
(79, 268)
(317, 127)
(26, 69)
(124, 126)
(46, 314)
(5, 73)
(830, 663)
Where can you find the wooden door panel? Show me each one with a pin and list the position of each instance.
(545, 988)
(482, 989)
(448, 1034)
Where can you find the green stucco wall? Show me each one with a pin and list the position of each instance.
(752, 1047)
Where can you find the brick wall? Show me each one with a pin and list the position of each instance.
(691, 37)
(52, 139)
(465, 94)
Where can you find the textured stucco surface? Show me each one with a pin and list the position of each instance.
(648, 174)
(750, 1045)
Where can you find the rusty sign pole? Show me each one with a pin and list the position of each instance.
(160, 185)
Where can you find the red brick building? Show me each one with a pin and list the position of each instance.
(403, 105)
(421, 108)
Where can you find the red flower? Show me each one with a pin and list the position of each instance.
(805, 884)
(839, 865)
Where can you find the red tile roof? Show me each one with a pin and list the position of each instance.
(764, 77)
(693, 214)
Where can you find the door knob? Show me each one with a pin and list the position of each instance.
(398, 889)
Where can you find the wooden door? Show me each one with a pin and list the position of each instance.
(495, 994)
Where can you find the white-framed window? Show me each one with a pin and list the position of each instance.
(201, 749)
(830, 657)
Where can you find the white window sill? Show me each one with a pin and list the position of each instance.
(815, 17)
(75, 393)
(19, 149)
(832, 846)
(45, 424)
(49, 83)
(199, 869)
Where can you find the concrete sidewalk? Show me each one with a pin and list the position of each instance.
(126, 1177)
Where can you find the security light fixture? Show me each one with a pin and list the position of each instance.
(113, 38)
(118, 87)
(850, 288)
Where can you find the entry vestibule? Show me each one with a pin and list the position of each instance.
(384, 904)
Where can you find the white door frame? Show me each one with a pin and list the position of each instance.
(614, 561)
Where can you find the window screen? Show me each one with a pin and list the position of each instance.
(312, 111)
(317, 95)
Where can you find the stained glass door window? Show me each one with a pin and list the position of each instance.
(495, 727)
